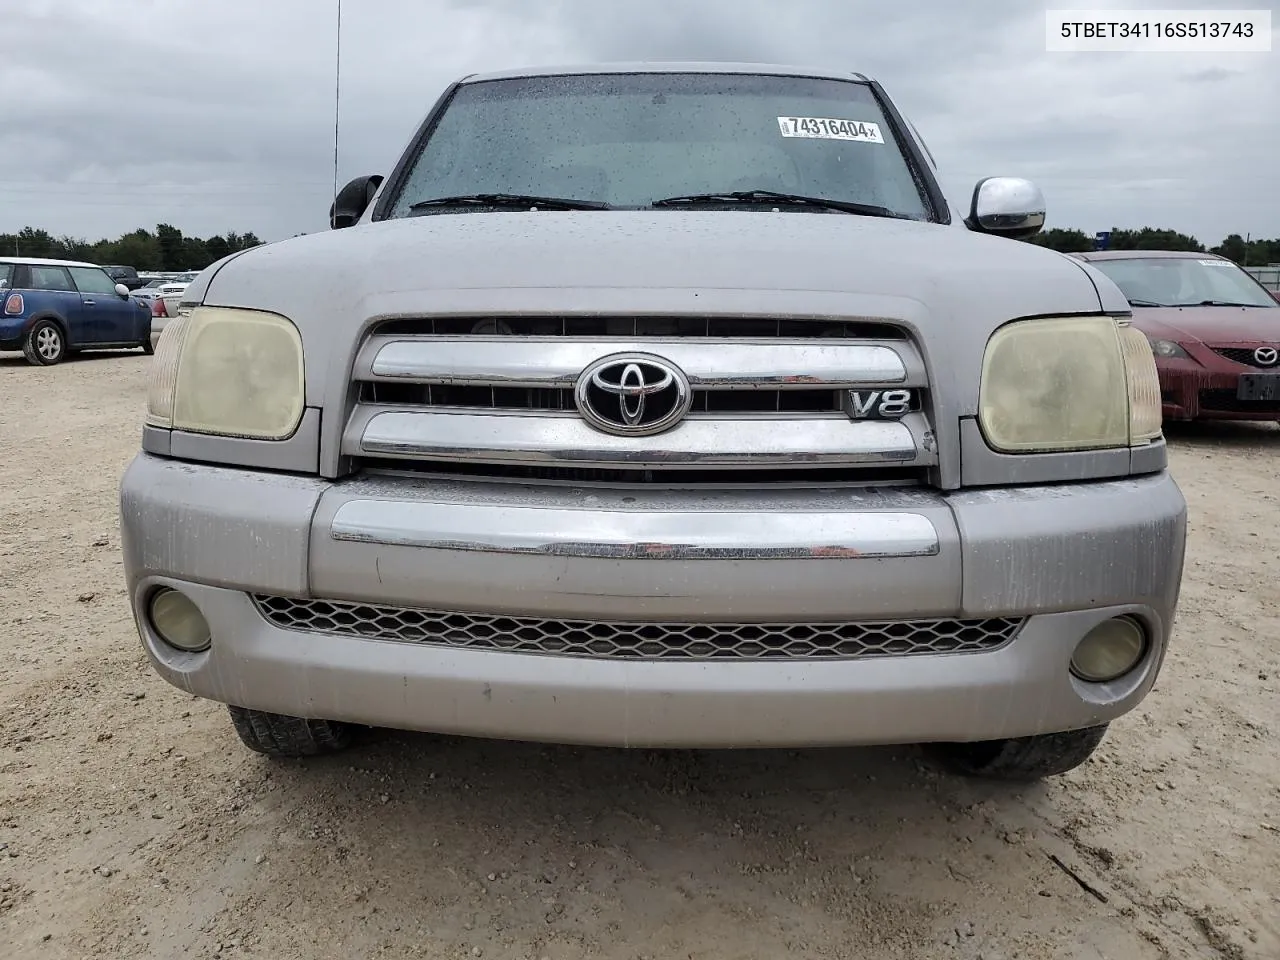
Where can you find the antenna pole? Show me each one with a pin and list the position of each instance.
(337, 90)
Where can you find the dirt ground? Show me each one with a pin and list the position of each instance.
(134, 824)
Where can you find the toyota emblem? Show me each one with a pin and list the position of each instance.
(1266, 356)
(632, 394)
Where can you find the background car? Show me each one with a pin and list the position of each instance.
(150, 289)
(1214, 329)
(125, 275)
(54, 307)
(164, 302)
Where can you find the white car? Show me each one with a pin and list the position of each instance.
(165, 300)
(149, 290)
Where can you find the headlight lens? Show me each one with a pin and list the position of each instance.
(1073, 383)
(1168, 349)
(1145, 414)
(235, 373)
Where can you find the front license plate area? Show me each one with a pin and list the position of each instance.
(1259, 387)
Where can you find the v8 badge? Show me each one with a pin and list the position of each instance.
(879, 404)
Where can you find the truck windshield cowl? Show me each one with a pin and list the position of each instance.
(629, 140)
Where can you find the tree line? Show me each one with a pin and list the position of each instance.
(165, 250)
(168, 250)
(1247, 253)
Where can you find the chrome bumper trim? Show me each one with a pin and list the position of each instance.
(709, 363)
(613, 535)
(697, 441)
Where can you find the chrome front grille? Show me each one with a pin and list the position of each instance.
(639, 640)
(768, 395)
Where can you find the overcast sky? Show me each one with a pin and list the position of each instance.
(217, 116)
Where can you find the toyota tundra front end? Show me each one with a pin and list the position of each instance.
(664, 406)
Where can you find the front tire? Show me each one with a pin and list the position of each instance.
(45, 345)
(1024, 758)
(285, 737)
(148, 348)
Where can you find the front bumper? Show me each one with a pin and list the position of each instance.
(1190, 391)
(1065, 557)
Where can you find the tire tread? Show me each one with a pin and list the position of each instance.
(278, 735)
(1025, 758)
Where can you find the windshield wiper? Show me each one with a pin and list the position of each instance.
(1218, 303)
(769, 197)
(1139, 302)
(508, 200)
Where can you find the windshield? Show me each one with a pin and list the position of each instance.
(629, 140)
(1183, 281)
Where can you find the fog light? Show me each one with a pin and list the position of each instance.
(1109, 650)
(178, 621)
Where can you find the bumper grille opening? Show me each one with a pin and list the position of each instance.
(640, 640)
(1226, 401)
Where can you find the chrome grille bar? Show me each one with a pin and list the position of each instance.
(713, 364)
(635, 534)
(777, 441)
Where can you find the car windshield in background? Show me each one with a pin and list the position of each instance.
(631, 140)
(1183, 282)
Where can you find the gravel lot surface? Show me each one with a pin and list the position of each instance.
(134, 824)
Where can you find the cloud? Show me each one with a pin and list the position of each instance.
(219, 116)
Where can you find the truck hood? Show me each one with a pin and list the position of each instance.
(952, 286)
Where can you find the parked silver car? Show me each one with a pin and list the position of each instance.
(665, 406)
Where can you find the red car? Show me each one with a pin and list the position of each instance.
(1214, 329)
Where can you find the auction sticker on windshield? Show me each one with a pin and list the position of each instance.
(825, 128)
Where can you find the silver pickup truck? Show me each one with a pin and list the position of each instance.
(660, 406)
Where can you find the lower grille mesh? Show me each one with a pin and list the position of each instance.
(618, 640)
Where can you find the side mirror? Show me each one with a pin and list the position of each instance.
(352, 201)
(122, 290)
(1007, 207)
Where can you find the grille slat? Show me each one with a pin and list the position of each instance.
(640, 640)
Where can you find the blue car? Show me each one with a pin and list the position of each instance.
(49, 308)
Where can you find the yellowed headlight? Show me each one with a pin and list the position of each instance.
(1145, 413)
(1070, 383)
(237, 373)
(164, 373)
